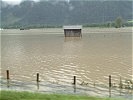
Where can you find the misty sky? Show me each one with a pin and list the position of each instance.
(14, 1)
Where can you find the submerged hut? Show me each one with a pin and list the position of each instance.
(73, 31)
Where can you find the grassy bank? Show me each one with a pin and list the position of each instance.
(13, 95)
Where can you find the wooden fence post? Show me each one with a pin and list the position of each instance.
(120, 82)
(110, 81)
(37, 77)
(110, 85)
(7, 73)
(74, 83)
(120, 85)
(74, 80)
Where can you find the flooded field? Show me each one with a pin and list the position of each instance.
(92, 58)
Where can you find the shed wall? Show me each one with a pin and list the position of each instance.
(72, 32)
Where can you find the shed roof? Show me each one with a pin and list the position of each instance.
(73, 27)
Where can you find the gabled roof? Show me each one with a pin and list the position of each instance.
(73, 27)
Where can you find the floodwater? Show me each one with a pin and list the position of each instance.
(91, 58)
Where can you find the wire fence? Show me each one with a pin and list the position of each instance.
(124, 89)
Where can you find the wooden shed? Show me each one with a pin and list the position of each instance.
(73, 31)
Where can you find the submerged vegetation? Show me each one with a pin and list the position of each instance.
(14, 95)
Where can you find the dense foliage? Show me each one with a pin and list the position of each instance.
(48, 13)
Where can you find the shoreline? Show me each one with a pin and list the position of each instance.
(46, 87)
(85, 30)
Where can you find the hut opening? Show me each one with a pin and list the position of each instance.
(73, 31)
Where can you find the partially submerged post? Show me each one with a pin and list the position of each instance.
(110, 85)
(7, 72)
(73, 31)
(8, 77)
(120, 85)
(110, 81)
(74, 80)
(37, 77)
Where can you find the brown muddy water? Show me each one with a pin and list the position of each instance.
(92, 58)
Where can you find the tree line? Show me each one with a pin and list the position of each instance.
(55, 13)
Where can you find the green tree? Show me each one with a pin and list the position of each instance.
(118, 22)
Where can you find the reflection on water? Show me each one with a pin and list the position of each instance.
(91, 58)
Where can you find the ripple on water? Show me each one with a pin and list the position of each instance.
(91, 58)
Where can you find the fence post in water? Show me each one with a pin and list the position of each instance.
(109, 85)
(37, 77)
(109, 80)
(74, 83)
(8, 77)
(120, 85)
(7, 72)
(74, 80)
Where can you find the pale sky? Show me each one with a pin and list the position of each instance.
(14, 1)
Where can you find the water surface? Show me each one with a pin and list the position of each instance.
(91, 58)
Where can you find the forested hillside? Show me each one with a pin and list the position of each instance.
(59, 12)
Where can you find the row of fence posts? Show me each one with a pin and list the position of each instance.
(74, 81)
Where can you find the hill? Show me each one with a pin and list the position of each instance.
(59, 12)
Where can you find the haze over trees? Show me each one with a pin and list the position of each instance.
(62, 12)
